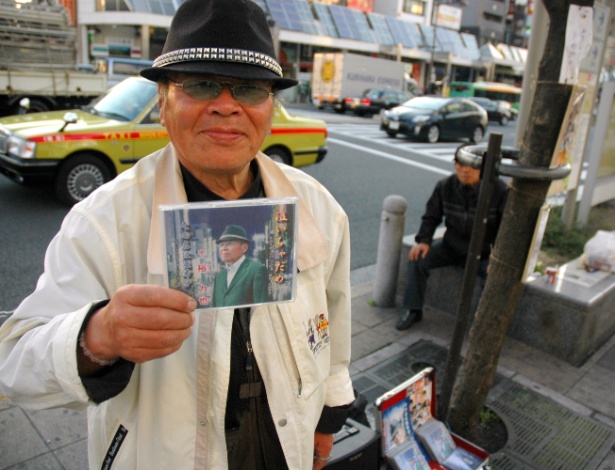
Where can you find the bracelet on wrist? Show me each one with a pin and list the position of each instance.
(91, 356)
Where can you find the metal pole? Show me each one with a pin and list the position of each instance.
(488, 177)
(389, 250)
(432, 66)
(596, 150)
(429, 78)
(538, 38)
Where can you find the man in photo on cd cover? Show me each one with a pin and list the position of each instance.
(241, 280)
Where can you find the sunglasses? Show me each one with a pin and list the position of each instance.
(202, 90)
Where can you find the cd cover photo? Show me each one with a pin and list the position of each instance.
(229, 254)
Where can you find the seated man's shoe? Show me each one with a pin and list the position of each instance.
(408, 318)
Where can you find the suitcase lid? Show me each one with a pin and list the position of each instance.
(400, 410)
(406, 407)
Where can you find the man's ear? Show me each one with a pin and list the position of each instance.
(244, 247)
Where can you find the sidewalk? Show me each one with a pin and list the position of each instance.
(558, 416)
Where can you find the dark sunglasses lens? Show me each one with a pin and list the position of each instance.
(201, 90)
(206, 90)
(250, 94)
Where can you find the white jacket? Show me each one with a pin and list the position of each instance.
(172, 412)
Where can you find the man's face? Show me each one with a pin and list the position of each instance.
(467, 175)
(215, 136)
(231, 250)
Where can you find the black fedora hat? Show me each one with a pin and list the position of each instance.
(220, 37)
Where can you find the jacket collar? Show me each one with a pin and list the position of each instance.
(312, 247)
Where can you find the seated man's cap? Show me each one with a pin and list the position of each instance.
(220, 37)
(233, 232)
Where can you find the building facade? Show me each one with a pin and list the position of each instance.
(402, 30)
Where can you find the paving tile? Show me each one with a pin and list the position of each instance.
(608, 360)
(353, 370)
(539, 366)
(608, 421)
(73, 429)
(369, 315)
(357, 327)
(377, 357)
(374, 338)
(595, 390)
(43, 462)
(74, 456)
(609, 462)
(19, 439)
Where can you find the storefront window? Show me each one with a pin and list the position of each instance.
(414, 7)
(112, 5)
(159, 7)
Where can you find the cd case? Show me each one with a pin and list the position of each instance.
(413, 438)
(230, 254)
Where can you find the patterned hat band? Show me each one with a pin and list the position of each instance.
(219, 54)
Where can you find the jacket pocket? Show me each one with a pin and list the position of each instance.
(114, 447)
(112, 438)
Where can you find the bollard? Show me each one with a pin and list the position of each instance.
(389, 250)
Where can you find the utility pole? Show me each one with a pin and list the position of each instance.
(431, 76)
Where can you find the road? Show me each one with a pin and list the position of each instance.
(29, 219)
(362, 168)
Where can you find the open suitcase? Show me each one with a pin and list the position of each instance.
(413, 439)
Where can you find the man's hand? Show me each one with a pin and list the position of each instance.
(419, 250)
(140, 323)
(323, 444)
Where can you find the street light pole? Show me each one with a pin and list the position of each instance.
(431, 78)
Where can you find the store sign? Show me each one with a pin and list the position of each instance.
(366, 6)
(99, 50)
(449, 17)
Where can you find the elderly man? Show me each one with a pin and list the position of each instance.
(168, 386)
(454, 199)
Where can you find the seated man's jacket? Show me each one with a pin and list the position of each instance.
(456, 204)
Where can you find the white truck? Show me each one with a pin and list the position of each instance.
(38, 60)
(341, 76)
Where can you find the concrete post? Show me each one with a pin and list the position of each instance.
(389, 249)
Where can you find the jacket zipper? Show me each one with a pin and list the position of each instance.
(250, 359)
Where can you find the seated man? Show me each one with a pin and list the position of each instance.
(454, 199)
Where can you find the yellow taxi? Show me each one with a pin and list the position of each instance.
(79, 150)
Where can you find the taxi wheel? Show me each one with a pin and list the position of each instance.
(35, 106)
(38, 106)
(79, 176)
(280, 155)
